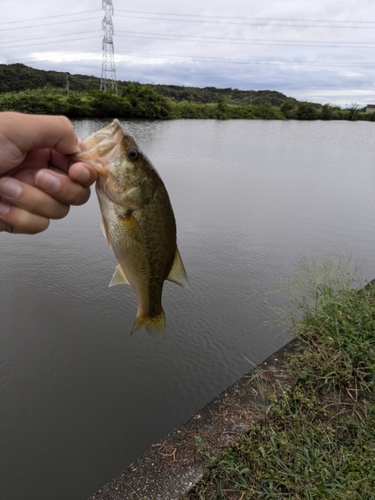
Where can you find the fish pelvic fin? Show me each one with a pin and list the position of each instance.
(119, 277)
(155, 326)
(178, 274)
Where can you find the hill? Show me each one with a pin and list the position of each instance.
(19, 77)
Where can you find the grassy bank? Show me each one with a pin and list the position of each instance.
(318, 440)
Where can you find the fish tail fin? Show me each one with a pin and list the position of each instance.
(155, 325)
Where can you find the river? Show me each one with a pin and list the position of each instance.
(80, 398)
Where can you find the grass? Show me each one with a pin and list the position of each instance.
(318, 440)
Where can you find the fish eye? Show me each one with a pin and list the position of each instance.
(133, 153)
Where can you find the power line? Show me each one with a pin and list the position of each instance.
(179, 37)
(205, 18)
(243, 41)
(194, 16)
(255, 62)
(225, 18)
(52, 41)
(262, 22)
(4, 44)
(219, 20)
(50, 24)
(49, 17)
(267, 23)
(198, 38)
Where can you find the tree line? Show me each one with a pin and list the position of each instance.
(28, 90)
(141, 101)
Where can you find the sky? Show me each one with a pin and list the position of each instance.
(313, 50)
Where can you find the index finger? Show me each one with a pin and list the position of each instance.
(20, 133)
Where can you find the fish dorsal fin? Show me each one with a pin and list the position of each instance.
(178, 274)
(119, 277)
(104, 228)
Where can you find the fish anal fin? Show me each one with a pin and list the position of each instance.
(119, 277)
(177, 273)
(105, 231)
(155, 326)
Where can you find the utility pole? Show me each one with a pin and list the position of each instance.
(67, 84)
(108, 80)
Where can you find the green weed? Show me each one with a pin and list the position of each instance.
(318, 440)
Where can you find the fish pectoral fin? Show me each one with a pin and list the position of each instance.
(119, 277)
(104, 228)
(177, 273)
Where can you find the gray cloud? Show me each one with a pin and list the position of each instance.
(317, 51)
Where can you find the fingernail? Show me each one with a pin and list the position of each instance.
(82, 174)
(47, 181)
(82, 146)
(4, 208)
(10, 188)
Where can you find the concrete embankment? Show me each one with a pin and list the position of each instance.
(174, 465)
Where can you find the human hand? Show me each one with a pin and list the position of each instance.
(38, 182)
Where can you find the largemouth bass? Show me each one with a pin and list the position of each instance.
(137, 221)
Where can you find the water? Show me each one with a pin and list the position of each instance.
(80, 398)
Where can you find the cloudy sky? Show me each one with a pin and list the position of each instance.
(315, 50)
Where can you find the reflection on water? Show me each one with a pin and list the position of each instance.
(80, 398)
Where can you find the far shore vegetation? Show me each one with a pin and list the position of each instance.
(317, 441)
(29, 90)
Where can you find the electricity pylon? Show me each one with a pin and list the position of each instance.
(108, 80)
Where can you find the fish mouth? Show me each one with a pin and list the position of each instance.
(103, 148)
(110, 133)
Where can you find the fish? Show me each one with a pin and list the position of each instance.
(137, 221)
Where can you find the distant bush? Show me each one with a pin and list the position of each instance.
(326, 112)
(107, 104)
(186, 109)
(38, 101)
(222, 108)
(145, 102)
(267, 112)
(79, 107)
(306, 111)
(363, 116)
(288, 109)
(338, 114)
(352, 112)
(224, 111)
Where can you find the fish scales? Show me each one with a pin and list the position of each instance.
(138, 222)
